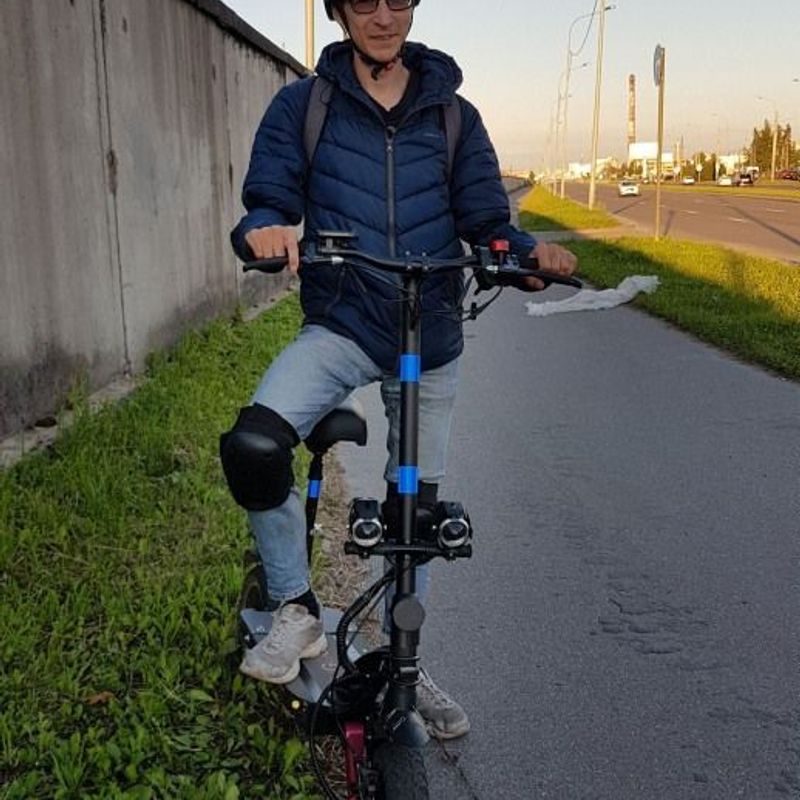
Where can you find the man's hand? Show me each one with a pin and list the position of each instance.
(273, 242)
(553, 258)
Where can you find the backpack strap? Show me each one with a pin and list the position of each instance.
(316, 112)
(452, 132)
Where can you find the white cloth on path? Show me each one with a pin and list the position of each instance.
(593, 300)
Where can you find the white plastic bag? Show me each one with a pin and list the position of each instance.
(593, 300)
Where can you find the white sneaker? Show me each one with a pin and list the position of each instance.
(295, 634)
(444, 717)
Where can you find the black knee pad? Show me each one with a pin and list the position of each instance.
(256, 457)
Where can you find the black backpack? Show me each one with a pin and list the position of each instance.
(317, 111)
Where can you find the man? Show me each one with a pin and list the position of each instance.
(382, 170)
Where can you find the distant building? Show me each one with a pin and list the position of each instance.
(732, 163)
(577, 170)
(643, 156)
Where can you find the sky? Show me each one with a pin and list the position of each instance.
(729, 65)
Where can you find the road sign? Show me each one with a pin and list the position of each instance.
(658, 65)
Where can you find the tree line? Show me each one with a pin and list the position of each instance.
(759, 153)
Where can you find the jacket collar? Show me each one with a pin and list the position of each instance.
(440, 76)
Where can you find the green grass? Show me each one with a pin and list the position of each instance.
(540, 210)
(758, 190)
(120, 564)
(746, 305)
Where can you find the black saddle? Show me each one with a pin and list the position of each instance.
(346, 423)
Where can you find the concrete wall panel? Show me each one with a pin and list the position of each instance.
(169, 130)
(60, 313)
(252, 83)
(124, 138)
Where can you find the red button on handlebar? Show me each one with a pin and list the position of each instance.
(499, 246)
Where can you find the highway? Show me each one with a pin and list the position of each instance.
(764, 225)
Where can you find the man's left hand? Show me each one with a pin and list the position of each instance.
(552, 258)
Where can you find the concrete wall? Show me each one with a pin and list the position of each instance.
(125, 134)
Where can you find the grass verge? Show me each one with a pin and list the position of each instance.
(747, 305)
(120, 565)
(791, 195)
(540, 210)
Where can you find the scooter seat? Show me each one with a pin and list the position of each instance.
(346, 423)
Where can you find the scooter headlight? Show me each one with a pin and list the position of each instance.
(453, 528)
(366, 526)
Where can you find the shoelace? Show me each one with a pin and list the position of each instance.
(436, 694)
(277, 636)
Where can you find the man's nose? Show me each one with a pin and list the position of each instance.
(382, 13)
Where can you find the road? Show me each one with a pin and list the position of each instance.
(628, 626)
(768, 225)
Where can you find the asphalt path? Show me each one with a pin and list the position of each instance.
(766, 225)
(628, 626)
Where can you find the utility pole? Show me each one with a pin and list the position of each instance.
(774, 133)
(596, 122)
(310, 34)
(659, 70)
(563, 154)
(774, 145)
(557, 142)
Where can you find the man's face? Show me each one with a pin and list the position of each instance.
(381, 33)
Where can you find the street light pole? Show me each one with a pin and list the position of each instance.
(310, 34)
(557, 160)
(774, 146)
(564, 134)
(596, 122)
(567, 72)
(774, 134)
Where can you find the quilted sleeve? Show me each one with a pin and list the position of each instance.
(273, 192)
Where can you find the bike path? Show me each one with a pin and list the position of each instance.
(628, 626)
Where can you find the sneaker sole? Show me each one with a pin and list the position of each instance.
(316, 648)
(454, 733)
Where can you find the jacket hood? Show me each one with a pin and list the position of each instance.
(439, 73)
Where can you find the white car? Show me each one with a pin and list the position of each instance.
(725, 180)
(628, 189)
(687, 180)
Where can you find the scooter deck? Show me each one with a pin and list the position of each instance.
(315, 673)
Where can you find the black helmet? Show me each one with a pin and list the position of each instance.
(329, 4)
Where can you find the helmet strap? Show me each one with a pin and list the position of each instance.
(376, 67)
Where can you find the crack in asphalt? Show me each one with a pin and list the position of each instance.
(453, 760)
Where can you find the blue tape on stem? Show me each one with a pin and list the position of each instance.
(407, 480)
(314, 489)
(410, 369)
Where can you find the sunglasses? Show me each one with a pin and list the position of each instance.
(370, 6)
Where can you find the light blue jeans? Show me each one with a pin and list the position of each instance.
(312, 376)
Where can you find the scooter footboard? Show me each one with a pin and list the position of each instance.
(315, 673)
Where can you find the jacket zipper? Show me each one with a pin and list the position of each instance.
(390, 202)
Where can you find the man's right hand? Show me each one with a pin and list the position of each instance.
(275, 241)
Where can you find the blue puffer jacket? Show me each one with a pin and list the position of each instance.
(389, 186)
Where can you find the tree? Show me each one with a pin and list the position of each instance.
(759, 153)
(706, 162)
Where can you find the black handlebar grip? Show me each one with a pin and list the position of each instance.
(549, 277)
(271, 265)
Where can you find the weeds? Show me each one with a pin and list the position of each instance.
(120, 563)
